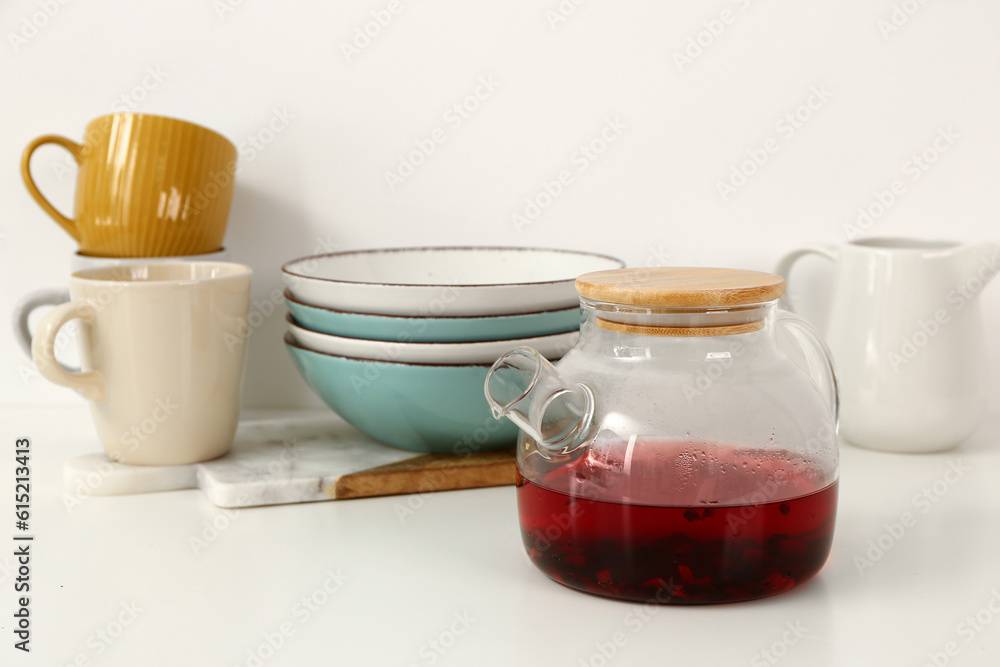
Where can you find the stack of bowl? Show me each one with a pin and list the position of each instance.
(399, 341)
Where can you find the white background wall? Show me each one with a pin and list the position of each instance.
(650, 198)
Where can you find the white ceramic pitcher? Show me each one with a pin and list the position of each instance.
(907, 337)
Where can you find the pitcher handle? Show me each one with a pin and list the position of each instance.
(784, 267)
(818, 358)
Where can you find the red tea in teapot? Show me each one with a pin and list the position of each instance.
(628, 487)
(712, 527)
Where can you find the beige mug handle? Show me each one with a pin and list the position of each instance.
(76, 150)
(90, 384)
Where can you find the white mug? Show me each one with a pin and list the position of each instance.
(53, 296)
(161, 353)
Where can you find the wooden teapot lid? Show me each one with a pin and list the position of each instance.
(681, 287)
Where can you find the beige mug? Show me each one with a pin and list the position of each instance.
(53, 296)
(161, 353)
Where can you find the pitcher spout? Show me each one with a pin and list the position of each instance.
(524, 387)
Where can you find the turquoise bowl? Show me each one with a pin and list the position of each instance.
(423, 408)
(432, 329)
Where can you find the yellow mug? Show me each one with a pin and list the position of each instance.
(148, 186)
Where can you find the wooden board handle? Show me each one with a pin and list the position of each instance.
(429, 473)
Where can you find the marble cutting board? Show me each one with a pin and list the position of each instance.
(280, 461)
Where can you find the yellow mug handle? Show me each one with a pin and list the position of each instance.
(76, 150)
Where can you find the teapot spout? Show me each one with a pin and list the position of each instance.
(980, 261)
(524, 387)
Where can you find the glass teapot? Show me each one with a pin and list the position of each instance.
(676, 454)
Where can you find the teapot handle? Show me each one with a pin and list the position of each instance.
(784, 266)
(818, 358)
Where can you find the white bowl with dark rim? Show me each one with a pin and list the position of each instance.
(448, 281)
(481, 352)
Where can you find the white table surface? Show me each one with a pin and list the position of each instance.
(459, 554)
